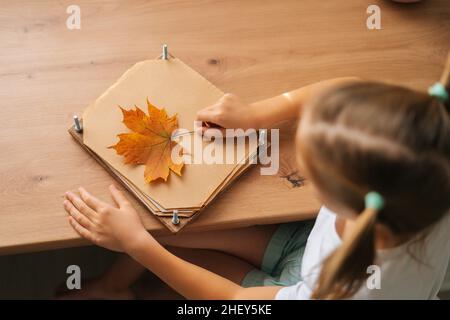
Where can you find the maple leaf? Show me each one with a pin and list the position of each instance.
(150, 142)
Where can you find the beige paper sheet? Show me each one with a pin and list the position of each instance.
(174, 86)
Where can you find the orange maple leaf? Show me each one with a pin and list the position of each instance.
(150, 142)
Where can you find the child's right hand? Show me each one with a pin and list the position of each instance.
(229, 111)
(232, 112)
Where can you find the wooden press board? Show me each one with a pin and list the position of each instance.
(172, 85)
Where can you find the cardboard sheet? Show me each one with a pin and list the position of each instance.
(165, 217)
(172, 85)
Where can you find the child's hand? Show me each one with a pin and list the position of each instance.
(229, 112)
(114, 228)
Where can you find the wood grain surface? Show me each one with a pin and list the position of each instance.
(254, 49)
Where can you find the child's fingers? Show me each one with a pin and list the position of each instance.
(82, 231)
(224, 133)
(213, 132)
(77, 215)
(207, 115)
(90, 200)
(80, 205)
(118, 196)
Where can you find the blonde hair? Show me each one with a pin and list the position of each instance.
(371, 136)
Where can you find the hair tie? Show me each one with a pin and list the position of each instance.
(374, 200)
(438, 90)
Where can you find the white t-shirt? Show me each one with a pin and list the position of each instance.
(401, 275)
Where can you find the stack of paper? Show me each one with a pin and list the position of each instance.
(172, 85)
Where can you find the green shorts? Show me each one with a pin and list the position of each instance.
(282, 259)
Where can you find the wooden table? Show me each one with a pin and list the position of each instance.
(252, 48)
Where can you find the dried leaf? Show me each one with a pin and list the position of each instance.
(150, 142)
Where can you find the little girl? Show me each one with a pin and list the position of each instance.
(378, 156)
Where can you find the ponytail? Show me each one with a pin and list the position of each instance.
(441, 89)
(344, 271)
(445, 80)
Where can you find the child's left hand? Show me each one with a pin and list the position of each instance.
(113, 227)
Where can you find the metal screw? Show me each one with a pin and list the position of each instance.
(165, 53)
(175, 219)
(77, 124)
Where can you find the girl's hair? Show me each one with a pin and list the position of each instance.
(369, 136)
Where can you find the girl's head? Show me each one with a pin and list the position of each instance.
(369, 136)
